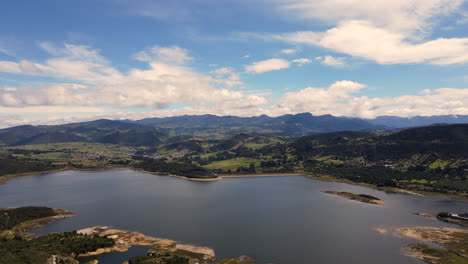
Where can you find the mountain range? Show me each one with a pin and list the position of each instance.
(403, 122)
(155, 131)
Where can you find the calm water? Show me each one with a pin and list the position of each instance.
(281, 220)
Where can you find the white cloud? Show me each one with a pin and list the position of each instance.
(339, 100)
(74, 62)
(227, 76)
(160, 86)
(73, 52)
(29, 67)
(387, 32)
(9, 67)
(88, 86)
(223, 71)
(288, 51)
(267, 65)
(362, 39)
(302, 61)
(172, 54)
(12, 120)
(164, 83)
(8, 89)
(332, 61)
(396, 15)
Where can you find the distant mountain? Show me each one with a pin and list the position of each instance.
(155, 131)
(99, 131)
(402, 122)
(434, 133)
(286, 125)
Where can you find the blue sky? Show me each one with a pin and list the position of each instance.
(64, 61)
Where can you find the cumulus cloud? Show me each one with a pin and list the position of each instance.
(166, 81)
(74, 62)
(160, 86)
(88, 86)
(363, 39)
(267, 65)
(9, 67)
(339, 99)
(222, 71)
(274, 65)
(387, 32)
(227, 76)
(302, 61)
(332, 61)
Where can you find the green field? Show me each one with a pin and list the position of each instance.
(231, 164)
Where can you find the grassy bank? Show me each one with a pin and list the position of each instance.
(325, 178)
(329, 178)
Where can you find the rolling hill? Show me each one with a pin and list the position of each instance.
(153, 132)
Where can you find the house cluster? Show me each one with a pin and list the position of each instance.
(386, 163)
(101, 156)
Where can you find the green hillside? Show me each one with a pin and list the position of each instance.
(426, 159)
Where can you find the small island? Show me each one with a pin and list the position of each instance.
(365, 198)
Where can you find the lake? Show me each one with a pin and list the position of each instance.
(281, 220)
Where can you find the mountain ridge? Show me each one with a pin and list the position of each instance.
(154, 131)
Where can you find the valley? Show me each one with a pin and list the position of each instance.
(428, 160)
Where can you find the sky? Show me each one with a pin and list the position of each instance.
(68, 61)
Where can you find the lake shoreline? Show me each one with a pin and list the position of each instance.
(5, 178)
(169, 204)
(451, 242)
(125, 239)
(328, 178)
(285, 174)
(324, 178)
(41, 222)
